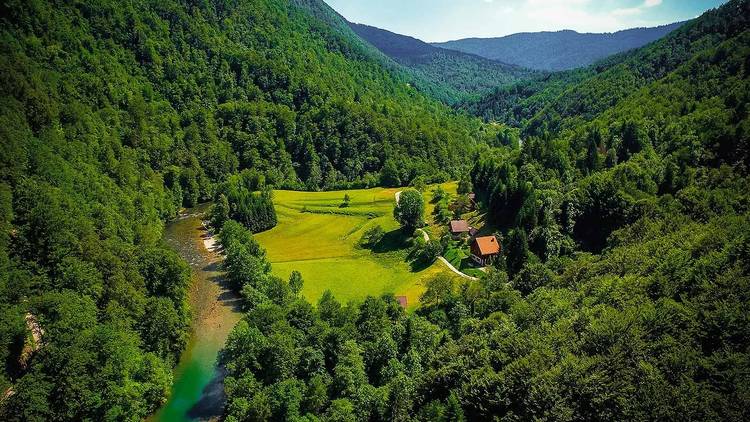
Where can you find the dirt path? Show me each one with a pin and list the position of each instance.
(442, 259)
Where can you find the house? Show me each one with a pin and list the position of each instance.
(459, 228)
(402, 301)
(484, 249)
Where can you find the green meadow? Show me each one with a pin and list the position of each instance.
(318, 237)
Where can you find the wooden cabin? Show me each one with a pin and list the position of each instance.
(485, 249)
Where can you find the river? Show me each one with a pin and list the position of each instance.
(198, 392)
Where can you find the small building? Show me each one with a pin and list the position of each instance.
(459, 228)
(485, 249)
(402, 301)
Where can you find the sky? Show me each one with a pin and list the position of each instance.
(443, 20)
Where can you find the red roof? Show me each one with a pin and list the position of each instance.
(487, 245)
(459, 226)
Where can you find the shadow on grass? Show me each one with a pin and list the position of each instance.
(467, 264)
(396, 240)
(419, 264)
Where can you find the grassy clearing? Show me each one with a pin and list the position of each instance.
(319, 238)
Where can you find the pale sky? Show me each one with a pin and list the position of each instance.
(443, 20)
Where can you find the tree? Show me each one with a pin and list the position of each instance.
(453, 410)
(438, 194)
(439, 289)
(341, 410)
(419, 184)
(346, 201)
(593, 141)
(430, 251)
(295, 282)
(373, 236)
(464, 186)
(220, 211)
(409, 211)
(390, 174)
(517, 250)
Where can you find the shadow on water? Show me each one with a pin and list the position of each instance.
(211, 403)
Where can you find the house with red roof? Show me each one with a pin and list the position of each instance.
(485, 249)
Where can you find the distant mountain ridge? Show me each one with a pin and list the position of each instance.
(560, 50)
(396, 46)
(458, 73)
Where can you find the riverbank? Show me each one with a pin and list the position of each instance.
(198, 390)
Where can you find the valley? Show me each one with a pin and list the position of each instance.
(258, 210)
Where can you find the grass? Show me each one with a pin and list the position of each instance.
(319, 238)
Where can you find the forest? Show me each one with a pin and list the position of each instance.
(623, 291)
(115, 116)
(619, 192)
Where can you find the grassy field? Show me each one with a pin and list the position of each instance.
(319, 238)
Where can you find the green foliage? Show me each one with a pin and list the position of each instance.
(114, 117)
(219, 212)
(296, 283)
(245, 261)
(626, 214)
(373, 236)
(409, 211)
(428, 251)
(438, 194)
(254, 210)
(464, 186)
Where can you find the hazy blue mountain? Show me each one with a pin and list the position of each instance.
(459, 74)
(561, 50)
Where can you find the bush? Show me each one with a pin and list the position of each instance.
(372, 236)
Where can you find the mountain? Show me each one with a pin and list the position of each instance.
(561, 50)
(618, 191)
(462, 75)
(564, 99)
(623, 290)
(114, 116)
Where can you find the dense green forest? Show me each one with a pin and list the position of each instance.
(579, 95)
(623, 289)
(558, 50)
(114, 115)
(620, 193)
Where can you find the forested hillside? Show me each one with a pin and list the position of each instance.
(622, 292)
(113, 116)
(584, 93)
(460, 75)
(560, 50)
(619, 193)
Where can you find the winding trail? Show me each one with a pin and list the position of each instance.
(441, 258)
